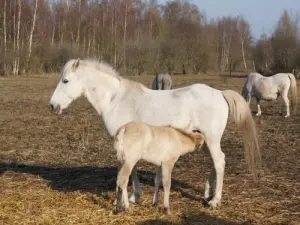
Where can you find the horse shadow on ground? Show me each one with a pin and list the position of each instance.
(199, 218)
(91, 178)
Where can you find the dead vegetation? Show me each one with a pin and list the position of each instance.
(61, 169)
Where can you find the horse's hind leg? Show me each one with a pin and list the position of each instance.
(157, 182)
(218, 158)
(258, 106)
(136, 195)
(287, 103)
(210, 185)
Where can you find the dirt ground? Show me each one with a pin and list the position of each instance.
(61, 169)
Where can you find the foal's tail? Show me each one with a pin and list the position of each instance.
(241, 113)
(118, 142)
(293, 92)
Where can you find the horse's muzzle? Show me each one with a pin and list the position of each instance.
(55, 109)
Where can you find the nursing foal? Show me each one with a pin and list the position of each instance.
(159, 145)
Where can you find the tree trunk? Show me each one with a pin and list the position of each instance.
(124, 35)
(31, 36)
(5, 42)
(115, 38)
(17, 57)
(53, 33)
(243, 53)
(79, 24)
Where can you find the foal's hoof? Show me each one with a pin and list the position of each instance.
(120, 209)
(134, 199)
(286, 116)
(258, 114)
(167, 211)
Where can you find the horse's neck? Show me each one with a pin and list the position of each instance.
(100, 90)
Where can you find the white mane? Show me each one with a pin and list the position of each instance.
(98, 65)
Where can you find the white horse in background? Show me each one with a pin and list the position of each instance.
(159, 145)
(162, 81)
(196, 107)
(269, 88)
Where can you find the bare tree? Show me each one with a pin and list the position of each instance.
(31, 35)
(17, 57)
(127, 8)
(4, 38)
(245, 35)
(79, 24)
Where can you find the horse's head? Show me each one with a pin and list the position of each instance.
(69, 87)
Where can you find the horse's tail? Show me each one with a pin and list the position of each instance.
(293, 92)
(119, 142)
(241, 113)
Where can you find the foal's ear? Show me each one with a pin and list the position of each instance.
(75, 64)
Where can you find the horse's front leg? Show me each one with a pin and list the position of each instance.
(136, 195)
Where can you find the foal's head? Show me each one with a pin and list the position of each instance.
(194, 138)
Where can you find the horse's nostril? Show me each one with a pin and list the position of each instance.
(51, 107)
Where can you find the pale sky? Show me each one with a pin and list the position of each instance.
(261, 14)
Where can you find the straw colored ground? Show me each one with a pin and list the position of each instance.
(61, 169)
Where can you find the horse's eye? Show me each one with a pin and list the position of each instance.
(65, 81)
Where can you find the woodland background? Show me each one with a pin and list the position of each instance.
(139, 37)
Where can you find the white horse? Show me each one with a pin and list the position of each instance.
(159, 145)
(196, 107)
(269, 88)
(162, 81)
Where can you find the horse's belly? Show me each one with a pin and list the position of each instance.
(267, 92)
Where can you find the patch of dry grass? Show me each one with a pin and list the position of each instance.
(61, 169)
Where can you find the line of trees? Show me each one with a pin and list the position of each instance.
(138, 37)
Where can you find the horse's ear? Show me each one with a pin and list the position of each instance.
(75, 64)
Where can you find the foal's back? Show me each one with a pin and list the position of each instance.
(154, 143)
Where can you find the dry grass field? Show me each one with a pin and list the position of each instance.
(61, 169)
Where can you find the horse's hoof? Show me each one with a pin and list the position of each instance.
(214, 203)
(167, 211)
(286, 116)
(258, 114)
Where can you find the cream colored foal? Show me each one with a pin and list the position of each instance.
(159, 145)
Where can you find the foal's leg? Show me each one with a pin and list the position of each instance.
(157, 184)
(135, 197)
(218, 158)
(166, 180)
(122, 182)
